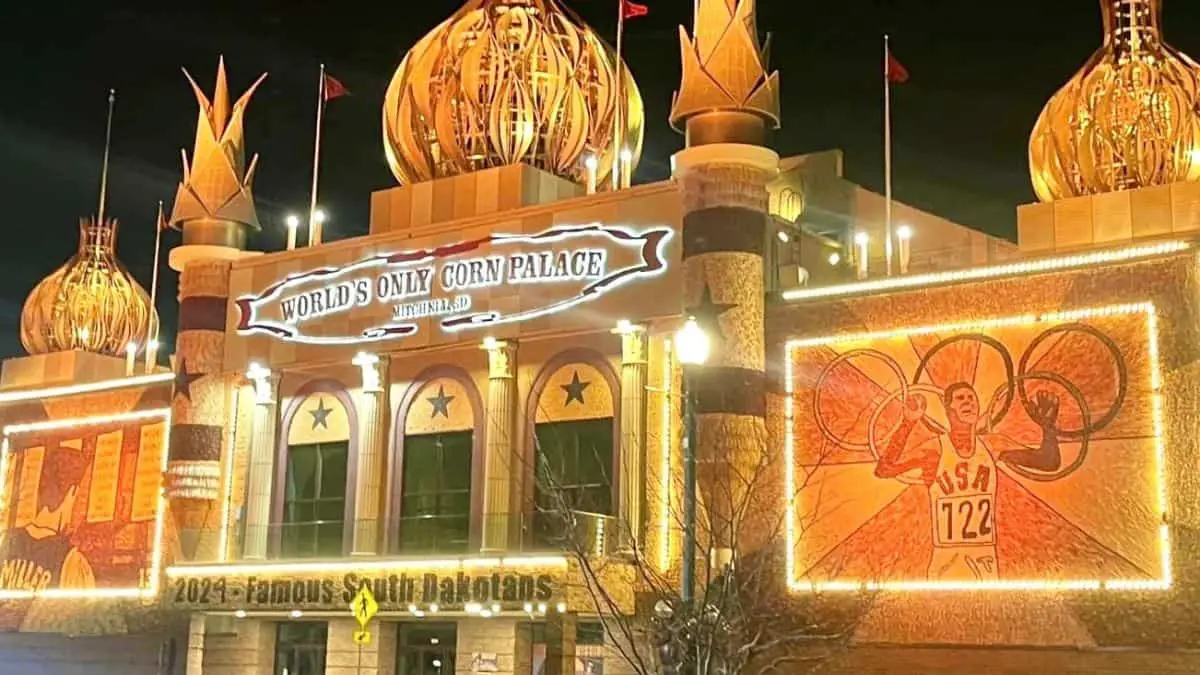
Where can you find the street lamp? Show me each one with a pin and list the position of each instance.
(691, 343)
(692, 346)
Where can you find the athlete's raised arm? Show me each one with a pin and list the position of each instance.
(1047, 457)
(889, 465)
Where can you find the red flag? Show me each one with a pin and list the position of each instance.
(333, 88)
(895, 71)
(633, 10)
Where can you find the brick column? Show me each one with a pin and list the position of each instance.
(195, 648)
(498, 636)
(634, 367)
(199, 409)
(377, 657)
(372, 450)
(501, 433)
(247, 650)
(724, 233)
(560, 644)
(261, 474)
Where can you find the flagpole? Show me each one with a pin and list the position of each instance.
(314, 228)
(152, 338)
(112, 100)
(619, 108)
(887, 153)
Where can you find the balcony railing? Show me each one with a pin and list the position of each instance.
(523, 533)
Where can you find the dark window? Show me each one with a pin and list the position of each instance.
(314, 501)
(300, 648)
(435, 501)
(574, 472)
(426, 649)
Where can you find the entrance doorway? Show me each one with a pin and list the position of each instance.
(426, 648)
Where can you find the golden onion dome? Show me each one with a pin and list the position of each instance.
(91, 303)
(1127, 119)
(510, 81)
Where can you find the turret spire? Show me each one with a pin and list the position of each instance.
(214, 205)
(726, 94)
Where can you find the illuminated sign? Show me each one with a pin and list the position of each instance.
(393, 591)
(455, 285)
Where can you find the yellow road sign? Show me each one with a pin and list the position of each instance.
(362, 637)
(364, 607)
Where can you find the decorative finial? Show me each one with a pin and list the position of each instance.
(726, 94)
(1128, 119)
(214, 205)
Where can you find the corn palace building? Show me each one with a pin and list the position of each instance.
(991, 443)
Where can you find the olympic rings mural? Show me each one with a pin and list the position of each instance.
(1016, 451)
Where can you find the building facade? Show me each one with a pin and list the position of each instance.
(474, 413)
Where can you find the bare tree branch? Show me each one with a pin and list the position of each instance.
(745, 618)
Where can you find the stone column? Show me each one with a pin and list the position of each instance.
(560, 643)
(499, 637)
(261, 474)
(195, 646)
(724, 232)
(501, 435)
(199, 409)
(344, 657)
(634, 365)
(372, 453)
(248, 649)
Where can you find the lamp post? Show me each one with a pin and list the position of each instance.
(293, 223)
(904, 234)
(862, 242)
(692, 346)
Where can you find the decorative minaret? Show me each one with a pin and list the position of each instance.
(725, 105)
(214, 209)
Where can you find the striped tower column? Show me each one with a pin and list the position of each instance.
(724, 233)
(501, 431)
(726, 103)
(199, 409)
(372, 453)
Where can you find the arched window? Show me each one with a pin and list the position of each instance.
(574, 442)
(314, 501)
(437, 462)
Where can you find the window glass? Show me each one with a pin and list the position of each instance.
(300, 648)
(314, 508)
(435, 498)
(426, 649)
(574, 460)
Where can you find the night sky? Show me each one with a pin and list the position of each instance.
(980, 72)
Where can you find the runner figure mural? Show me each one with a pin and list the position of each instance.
(1022, 451)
